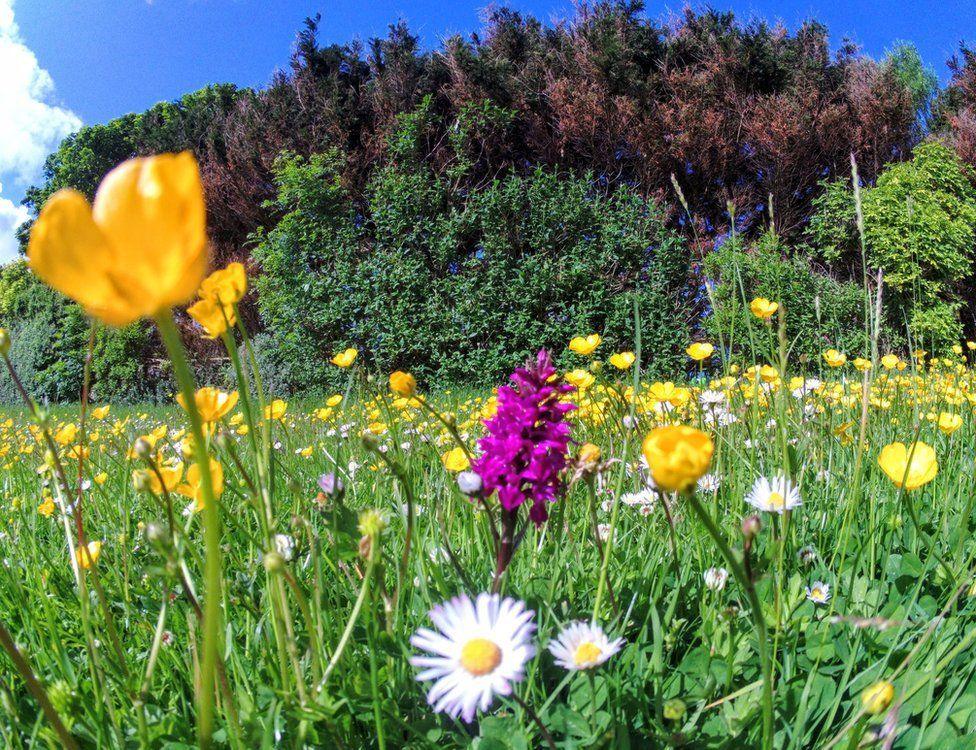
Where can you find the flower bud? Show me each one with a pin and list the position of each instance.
(674, 709)
(141, 480)
(878, 697)
(274, 562)
(751, 526)
(4, 342)
(142, 448)
(372, 523)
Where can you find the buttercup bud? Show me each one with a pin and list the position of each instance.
(751, 526)
(142, 448)
(4, 342)
(274, 562)
(674, 709)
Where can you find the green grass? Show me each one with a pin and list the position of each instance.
(280, 629)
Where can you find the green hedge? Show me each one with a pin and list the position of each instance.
(460, 287)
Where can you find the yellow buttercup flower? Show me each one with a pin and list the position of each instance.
(88, 555)
(171, 475)
(876, 698)
(139, 249)
(455, 459)
(894, 461)
(700, 350)
(585, 345)
(212, 316)
(677, 456)
(834, 358)
(403, 384)
(275, 410)
(226, 285)
(100, 412)
(66, 434)
(193, 487)
(46, 508)
(346, 358)
(582, 379)
(949, 423)
(762, 308)
(622, 360)
(861, 364)
(889, 361)
(211, 403)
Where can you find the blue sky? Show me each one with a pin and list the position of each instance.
(86, 61)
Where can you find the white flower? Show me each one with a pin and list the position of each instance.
(715, 578)
(583, 646)
(709, 483)
(809, 385)
(646, 497)
(603, 531)
(711, 398)
(478, 650)
(629, 422)
(469, 482)
(818, 592)
(285, 545)
(774, 496)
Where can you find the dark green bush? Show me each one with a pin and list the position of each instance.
(50, 338)
(820, 311)
(459, 287)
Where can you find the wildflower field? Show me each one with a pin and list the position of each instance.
(749, 557)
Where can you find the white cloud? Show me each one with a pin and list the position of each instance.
(11, 217)
(31, 126)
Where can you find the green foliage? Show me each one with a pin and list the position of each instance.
(459, 287)
(919, 79)
(920, 230)
(50, 338)
(820, 311)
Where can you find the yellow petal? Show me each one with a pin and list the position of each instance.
(152, 211)
(69, 252)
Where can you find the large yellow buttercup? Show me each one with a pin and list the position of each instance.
(139, 249)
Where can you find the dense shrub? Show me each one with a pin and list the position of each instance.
(820, 311)
(920, 229)
(458, 287)
(50, 339)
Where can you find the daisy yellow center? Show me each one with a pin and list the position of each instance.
(586, 653)
(776, 500)
(479, 656)
(816, 593)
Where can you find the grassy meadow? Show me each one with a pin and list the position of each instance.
(863, 583)
(747, 555)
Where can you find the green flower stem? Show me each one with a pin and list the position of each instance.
(211, 531)
(761, 630)
(354, 615)
(36, 689)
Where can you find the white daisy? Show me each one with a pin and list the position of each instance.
(478, 650)
(711, 398)
(709, 483)
(774, 496)
(583, 646)
(818, 592)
